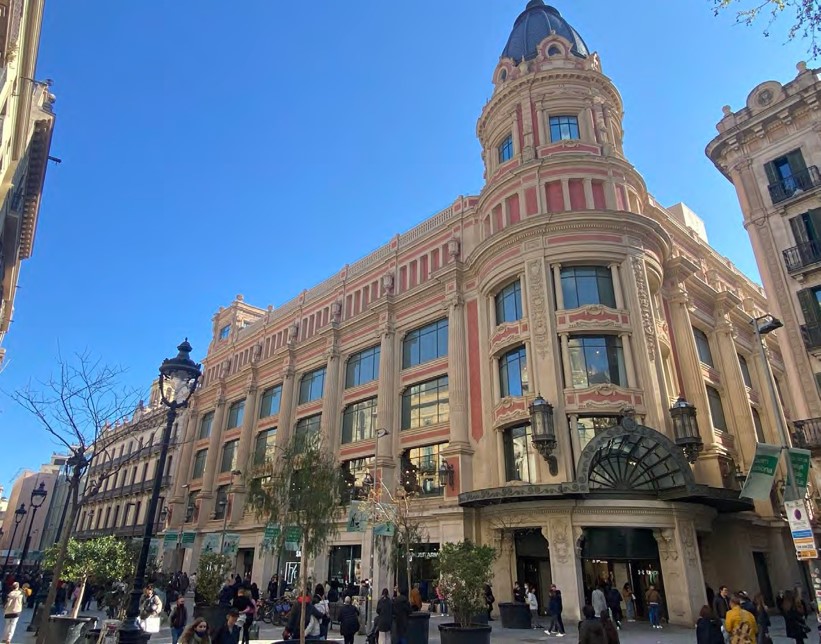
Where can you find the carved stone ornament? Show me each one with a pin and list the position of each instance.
(538, 306)
(666, 540)
(256, 352)
(765, 97)
(293, 333)
(453, 248)
(688, 539)
(336, 311)
(646, 310)
(387, 282)
(560, 545)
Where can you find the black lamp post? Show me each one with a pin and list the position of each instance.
(685, 429)
(183, 374)
(542, 426)
(38, 497)
(19, 515)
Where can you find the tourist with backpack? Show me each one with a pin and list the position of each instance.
(740, 624)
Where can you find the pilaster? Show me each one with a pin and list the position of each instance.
(188, 435)
(565, 564)
(681, 570)
(206, 497)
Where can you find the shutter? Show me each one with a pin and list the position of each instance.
(809, 306)
(796, 161)
(772, 173)
(799, 229)
(813, 224)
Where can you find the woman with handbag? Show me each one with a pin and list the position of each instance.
(797, 628)
(762, 618)
(244, 603)
(150, 610)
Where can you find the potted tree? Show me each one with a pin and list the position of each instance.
(465, 568)
(212, 571)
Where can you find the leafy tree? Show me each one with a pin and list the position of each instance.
(465, 568)
(806, 20)
(298, 487)
(212, 571)
(97, 561)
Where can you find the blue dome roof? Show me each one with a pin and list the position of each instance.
(536, 23)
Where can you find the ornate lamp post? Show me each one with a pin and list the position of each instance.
(19, 515)
(542, 426)
(38, 497)
(183, 374)
(685, 429)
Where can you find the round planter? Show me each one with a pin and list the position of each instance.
(69, 630)
(479, 618)
(514, 615)
(453, 634)
(418, 624)
(215, 616)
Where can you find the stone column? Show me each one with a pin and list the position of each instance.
(206, 497)
(246, 440)
(618, 292)
(629, 366)
(188, 436)
(566, 195)
(458, 394)
(588, 193)
(386, 403)
(681, 569)
(330, 398)
(557, 283)
(565, 564)
(286, 404)
(504, 567)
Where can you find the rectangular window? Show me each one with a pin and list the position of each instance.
(509, 303)
(359, 421)
(269, 405)
(236, 414)
(425, 344)
(787, 175)
(420, 469)
(745, 371)
(265, 446)
(357, 479)
(425, 404)
(221, 502)
(716, 409)
(703, 347)
(506, 149)
(307, 429)
(513, 373)
(229, 456)
(311, 386)
(225, 332)
(520, 455)
(583, 285)
(589, 427)
(192, 508)
(759, 429)
(597, 360)
(205, 425)
(563, 128)
(362, 367)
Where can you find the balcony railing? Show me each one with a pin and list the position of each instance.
(807, 433)
(812, 336)
(803, 255)
(795, 184)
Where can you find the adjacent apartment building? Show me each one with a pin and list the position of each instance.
(563, 278)
(26, 125)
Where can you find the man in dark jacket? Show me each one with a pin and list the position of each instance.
(348, 621)
(384, 617)
(721, 603)
(518, 593)
(229, 632)
(554, 609)
(591, 630)
(273, 588)
(613, 596)
(296, 611)
(401, 613)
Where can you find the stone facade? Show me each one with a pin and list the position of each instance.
(563, 277)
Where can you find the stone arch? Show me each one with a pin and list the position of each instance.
(633, 458)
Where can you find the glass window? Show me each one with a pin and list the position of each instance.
(199, 463)
(425, 403)
(359, 421)
(597, 360)
(759, 428)
(205, 425)
(506, 149)
(271, 397)
(229, 456)
(425, 344)
(236, 414)
(589, 426)
(221, 502)
(192, 509)
(582, 285)
(745, 371)
(509, 303)
(265, 446)
(520, 455)
(225, 332)
(420, 469)
(311, 386)
(703, 347)
(716, 409)
(513, 373)
(307, 429)
(357, 478)
(564, 128)
(362, 367)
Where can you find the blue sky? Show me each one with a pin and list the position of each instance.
(257, 150)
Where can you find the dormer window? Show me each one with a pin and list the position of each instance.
(554, 51)
(506, 149)
(564, 128)
(225, 332)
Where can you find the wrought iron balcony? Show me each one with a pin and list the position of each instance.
(807, 434)
(803, 255)
(795, 184)
(812, 336)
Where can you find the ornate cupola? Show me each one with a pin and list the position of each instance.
(534, 24)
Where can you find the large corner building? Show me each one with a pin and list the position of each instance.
(564, 277)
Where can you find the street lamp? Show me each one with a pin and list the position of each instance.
(685, 429)
(19, 515)
(38, 497)
(542, 426)
(183, 374)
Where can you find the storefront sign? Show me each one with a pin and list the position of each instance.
(801, 529)
(230, 545)
(800, 459)
(383, 530)
(170, 538)
(759, 481)
(188, 539)
(293, 536)
(357, 519)
(272, 532)
(211, 542)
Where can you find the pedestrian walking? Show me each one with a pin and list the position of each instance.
(762, 619)
(598, 599)
(629, 602)
(489, 601)
(794, 620)
(177, 619)
(197, 633)
(401, 609)
(246, 606)
(533, 604)
(384, 617)
(708, 627)
(653, 599)
(591, 630)
(739, 623)
(348, 621)
(13, 608)
(610, 630)
(554, 611)
(614, 604)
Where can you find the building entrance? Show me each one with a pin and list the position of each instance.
(619, 556)
(533, 563)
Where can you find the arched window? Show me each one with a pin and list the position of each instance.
(509, 303)
(520, 455)
(505, 149)
(513, 373)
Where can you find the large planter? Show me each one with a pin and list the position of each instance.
(418, 624)
(68, 630)
(514, 615)
(453, 634)
(479, 618)
(215, 616)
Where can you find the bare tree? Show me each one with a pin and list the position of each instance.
(806, 20)
(81, 406)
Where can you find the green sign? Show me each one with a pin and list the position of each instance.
(188, 539)
(272, 532)
(357, 520)
(383, 530)
(800, 459)
(170, 538)
(759, 481)
(293, 537)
